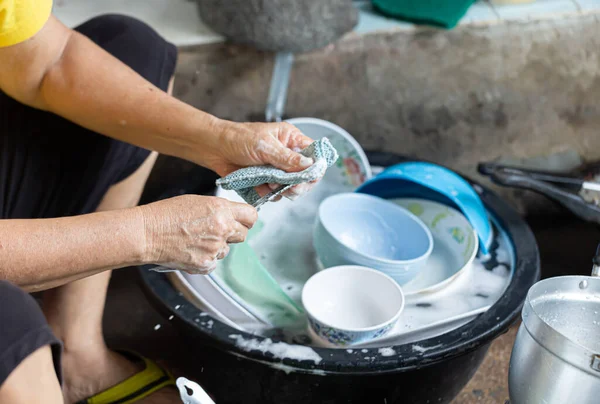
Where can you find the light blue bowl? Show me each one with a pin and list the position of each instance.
(433, 182)
(357, 229)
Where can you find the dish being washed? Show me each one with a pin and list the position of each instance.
(352, 168)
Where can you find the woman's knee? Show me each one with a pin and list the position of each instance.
(25, 331)
(33, 381)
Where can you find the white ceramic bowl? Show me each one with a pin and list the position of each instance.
(351, 304)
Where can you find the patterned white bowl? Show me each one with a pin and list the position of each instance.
(351, 304)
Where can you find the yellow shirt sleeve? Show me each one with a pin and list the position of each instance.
(22, 19)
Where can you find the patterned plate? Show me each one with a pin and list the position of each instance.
(454, 249)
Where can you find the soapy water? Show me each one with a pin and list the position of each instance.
(421, 349)
(284, 247)
(386, 351)
(279, 350)
(291, 224)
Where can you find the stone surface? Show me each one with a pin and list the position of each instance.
(280, 25)
(507, 91)
(490, 383)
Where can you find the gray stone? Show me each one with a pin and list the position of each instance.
(280, 25)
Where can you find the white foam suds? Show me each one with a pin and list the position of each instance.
(386, 352)
(364, 350)
(289, 369)
(349, 350)
(502, 255)
(156, 327)
(209, 323)
(171, 317)
(277, 349)
(500, 270)
(484, 257)
(177, 307)
(422, 349)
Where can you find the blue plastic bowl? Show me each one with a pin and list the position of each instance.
(357, 229)
(433, 182)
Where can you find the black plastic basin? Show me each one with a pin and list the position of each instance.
(435, 374)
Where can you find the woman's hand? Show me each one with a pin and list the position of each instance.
(191, 233)
(254, 144)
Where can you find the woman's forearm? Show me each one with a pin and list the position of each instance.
(42, 253)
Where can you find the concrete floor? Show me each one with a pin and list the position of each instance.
(566, 247)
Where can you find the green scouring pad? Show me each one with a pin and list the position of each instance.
(441, 13)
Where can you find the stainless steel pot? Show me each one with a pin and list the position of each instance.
(556, 355)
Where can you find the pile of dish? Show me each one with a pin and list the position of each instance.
(417, 227)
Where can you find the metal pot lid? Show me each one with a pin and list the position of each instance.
(563, 315)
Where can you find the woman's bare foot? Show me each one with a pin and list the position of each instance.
(87, 374)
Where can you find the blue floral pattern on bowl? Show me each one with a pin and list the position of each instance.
(344, 338)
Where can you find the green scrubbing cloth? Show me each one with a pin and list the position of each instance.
(441, 13)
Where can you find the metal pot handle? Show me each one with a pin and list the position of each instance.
(572, 182)
(569, 200)
(280, 80)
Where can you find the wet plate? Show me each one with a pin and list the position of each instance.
(455, 245)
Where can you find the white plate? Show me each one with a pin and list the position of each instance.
(191, 294)
(352, 168)
(454, 249)
(214, 300)
(415, 334)
(425, 331)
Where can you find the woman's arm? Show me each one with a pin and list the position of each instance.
(62, 71)
(188, 232)
(42, 253)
